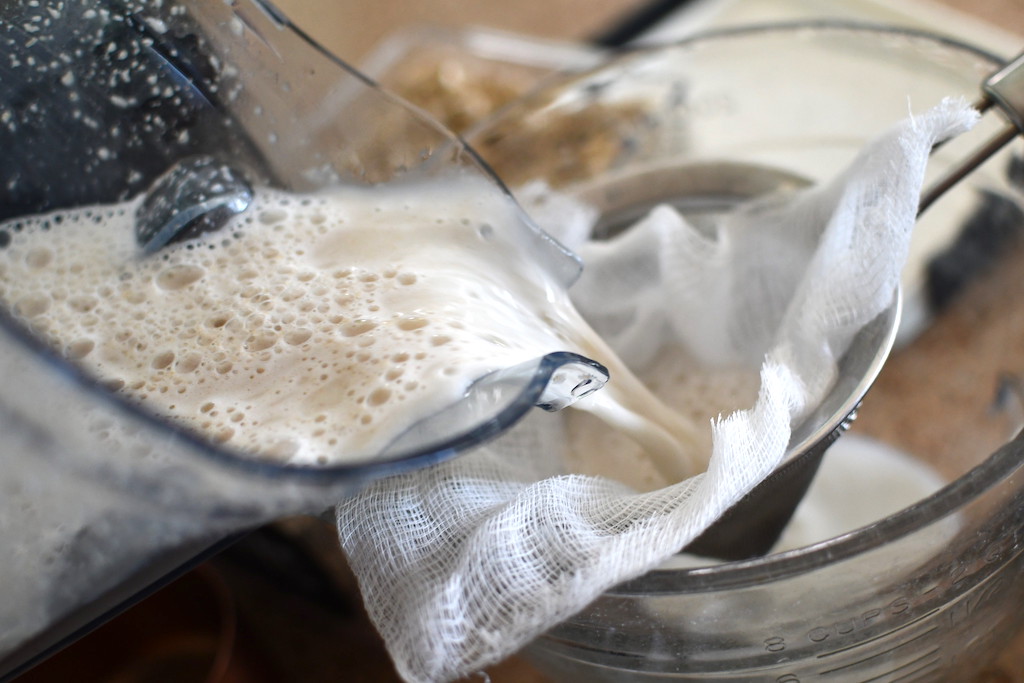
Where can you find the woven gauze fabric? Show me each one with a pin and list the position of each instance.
(463, 563)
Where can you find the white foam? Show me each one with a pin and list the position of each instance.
(312, 329)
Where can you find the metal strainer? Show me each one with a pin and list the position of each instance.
(752, 526)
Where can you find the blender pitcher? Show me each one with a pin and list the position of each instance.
(193, 107)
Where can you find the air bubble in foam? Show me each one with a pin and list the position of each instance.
(80, 348)
(179, 276)
(162, 360)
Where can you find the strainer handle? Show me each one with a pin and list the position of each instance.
(1004, 89)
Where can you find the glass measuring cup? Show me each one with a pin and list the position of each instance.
(193, 105)
(930, 592)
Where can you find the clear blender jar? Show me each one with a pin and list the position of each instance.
(932, 591)
(195, 106)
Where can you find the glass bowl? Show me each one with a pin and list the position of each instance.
(931, 591)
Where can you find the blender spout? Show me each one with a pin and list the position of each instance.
(552, 382)
(496, 401)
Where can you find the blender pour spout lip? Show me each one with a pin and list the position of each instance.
(494, 403)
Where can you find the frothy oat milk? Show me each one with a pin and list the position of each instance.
(316, 328)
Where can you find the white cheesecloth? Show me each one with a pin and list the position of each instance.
(463, 563)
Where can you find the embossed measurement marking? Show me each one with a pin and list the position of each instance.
(882, 636)
(876, 655)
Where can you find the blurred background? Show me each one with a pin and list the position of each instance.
(352, 28)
